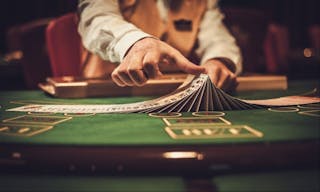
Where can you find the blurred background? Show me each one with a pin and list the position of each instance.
(276, 37)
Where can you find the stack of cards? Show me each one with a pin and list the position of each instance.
(195, 94)
(206, 98)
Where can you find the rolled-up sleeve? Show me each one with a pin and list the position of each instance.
(104, 31)
(215, 41)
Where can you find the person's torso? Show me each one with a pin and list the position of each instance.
(174, 21)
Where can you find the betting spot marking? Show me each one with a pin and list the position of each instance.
(188, 121)
(22, 130)
(208, 113)
(284, 109)
(212, 132)
(315, 113)
(161, 115)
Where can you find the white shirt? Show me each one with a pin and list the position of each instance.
(105, 32)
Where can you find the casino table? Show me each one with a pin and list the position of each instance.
(135, 152)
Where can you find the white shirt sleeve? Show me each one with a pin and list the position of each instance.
(104, 31)
(215, 39)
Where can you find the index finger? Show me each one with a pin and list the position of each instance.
(184, 64)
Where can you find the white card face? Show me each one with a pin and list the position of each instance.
(200, 99)
(194, 102)
(178, 107)
(285, 101)
(195, 94)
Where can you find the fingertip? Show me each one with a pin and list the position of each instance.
(141, 84)
(159, 74)
(117, 81)
(204, 70)
(196, 70)
(120, 84)
(185, 65)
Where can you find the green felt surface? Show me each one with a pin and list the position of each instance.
(284, 181)
(25, 182)
(275, 181)
(140, 129)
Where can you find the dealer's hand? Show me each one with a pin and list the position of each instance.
(143, 59)
(220, 75)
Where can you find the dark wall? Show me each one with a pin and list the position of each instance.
(297, 15)
(15, 12)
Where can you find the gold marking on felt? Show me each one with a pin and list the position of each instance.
(310, 113)
(223, 121)
(63, 118)
(39, 129)
(221, 132)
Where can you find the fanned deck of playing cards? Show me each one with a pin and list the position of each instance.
(195, 94)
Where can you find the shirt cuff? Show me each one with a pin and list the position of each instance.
(127, 41)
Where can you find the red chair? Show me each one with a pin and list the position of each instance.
(276, 49)
(67, 55)
(64, 46)
(264, 46)
(314, 35)
(29, 39)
